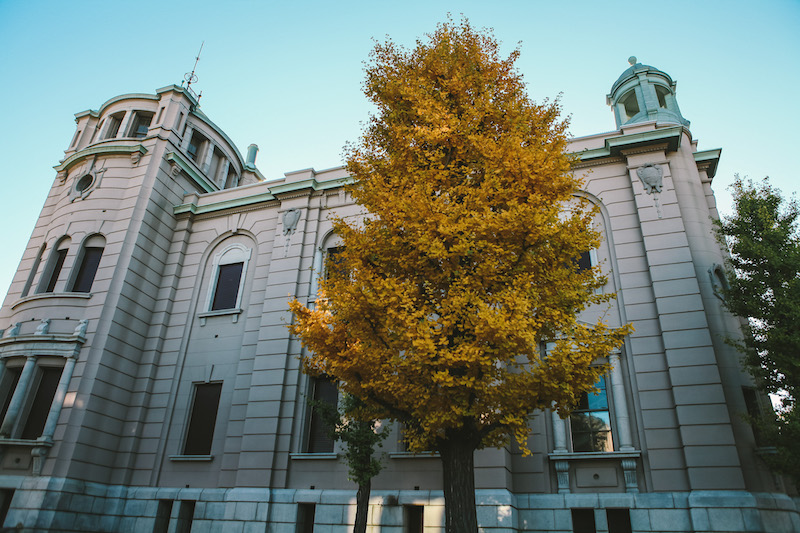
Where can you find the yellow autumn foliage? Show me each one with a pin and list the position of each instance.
(440, 302)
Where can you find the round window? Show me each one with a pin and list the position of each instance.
(84, 183)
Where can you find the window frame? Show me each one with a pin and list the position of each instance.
(609, 408)
(136, 123)
(54, 266)
(113, 121)
(313, 422)
(80, 268)
(189, 448)
(232, 254)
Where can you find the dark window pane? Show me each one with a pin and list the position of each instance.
(619, 520)
(87, 270)
(163, 513)
(319, 439)
(203, 418)
(56, 271)
(414, 518)
(305, 518)
(333, 261)
(227, 289)
(585, 261)
(10, 380)
(40, 408)
(583, 521)
(113, 126)
(185, 517)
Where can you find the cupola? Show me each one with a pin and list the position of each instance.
(643, 93)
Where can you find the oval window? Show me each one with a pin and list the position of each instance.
(84, 183)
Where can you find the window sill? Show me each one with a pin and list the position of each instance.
(191, 458)
(410, 455)
(570, 456)
(46, 295)
(324, 456)
(233, 313)
(6, 441)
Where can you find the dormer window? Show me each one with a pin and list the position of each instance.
(141, 124)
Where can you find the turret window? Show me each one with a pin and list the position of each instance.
(54, 265)
(196, 147)
(629, 105)
(112, 125)
(141, 124)
(661, 93)
(88, 263)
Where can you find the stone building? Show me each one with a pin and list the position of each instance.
(148, 381)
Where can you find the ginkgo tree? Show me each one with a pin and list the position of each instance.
(465, 264)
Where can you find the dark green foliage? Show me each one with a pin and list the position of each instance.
(764, 288)
(360, 436)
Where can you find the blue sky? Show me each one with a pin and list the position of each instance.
(288, 77)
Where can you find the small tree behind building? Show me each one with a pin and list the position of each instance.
(764, 288)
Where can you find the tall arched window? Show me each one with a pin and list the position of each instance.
(229, 269)
(88, 261)
(55, 263)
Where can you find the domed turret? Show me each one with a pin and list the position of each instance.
(643, 93)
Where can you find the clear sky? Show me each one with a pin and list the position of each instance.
(287, 75)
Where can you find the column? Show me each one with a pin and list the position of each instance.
(58, 400)
(620, 404)
(17, 400)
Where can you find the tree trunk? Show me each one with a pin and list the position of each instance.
(458, 476)
(362, 507)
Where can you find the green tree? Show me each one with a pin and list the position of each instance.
(764, 288)
(444, 294)
(361, 437)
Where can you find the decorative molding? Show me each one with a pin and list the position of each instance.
(204, 183)
(48, 295)
(651, 175)
(101, 150)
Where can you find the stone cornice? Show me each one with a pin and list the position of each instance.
(199, 179)
(102, 149)
(281, 191)
(669, 138)
(708, 160)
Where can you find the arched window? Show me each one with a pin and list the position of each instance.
(55, 263)
(34, 269)
(229, 269)
(88, 261)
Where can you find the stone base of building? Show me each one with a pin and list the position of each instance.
(52, 504)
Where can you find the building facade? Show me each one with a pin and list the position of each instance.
(149, 383)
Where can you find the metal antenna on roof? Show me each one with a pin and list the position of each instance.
(190, 77)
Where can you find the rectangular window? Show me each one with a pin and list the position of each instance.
(87, 270)
(757, 410)
(163, 514)
(591, 422)
(185, 517)
(112, 126)
(195, 148)
(619, 520)
(585, 261)
(141, 124)
(200, 434)
(55, 271)
(583, 521)
(40, 408)
(5, 503)
(319, 438)
(305, 518)
(226, 292)
(413, 518)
